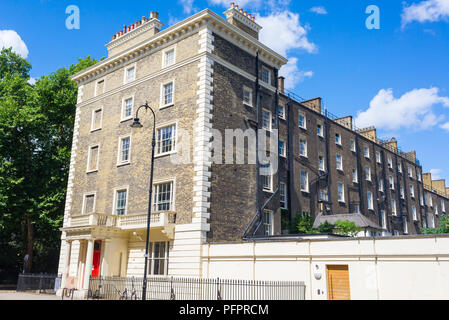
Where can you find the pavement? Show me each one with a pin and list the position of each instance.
(14, 295)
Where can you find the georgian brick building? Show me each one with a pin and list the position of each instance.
(201, 75)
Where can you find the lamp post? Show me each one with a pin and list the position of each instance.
(137, 124)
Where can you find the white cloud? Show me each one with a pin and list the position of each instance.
(436, 174)
(10, 38)
(425, 11)
(187, 6)
(282, 31)
(445, 126)
(412, 110)
(319, 10)
(240, 3)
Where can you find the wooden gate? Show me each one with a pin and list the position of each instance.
(338, 282)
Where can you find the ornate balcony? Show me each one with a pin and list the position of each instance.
(163, 220)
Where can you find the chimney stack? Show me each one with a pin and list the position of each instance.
(281, 82)
(243, 20)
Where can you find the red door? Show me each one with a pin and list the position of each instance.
(96, 259)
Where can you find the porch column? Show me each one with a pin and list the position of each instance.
(67, 247)
(89, 257)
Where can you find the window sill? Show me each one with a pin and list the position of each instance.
(268, 191)
(248, 104)
(166, 106)
(123, 164)
(93, 130)
(91, 171)
(164, 154)
(126, 119)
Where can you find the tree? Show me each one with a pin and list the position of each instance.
(36, 128)
(347, 228)
(326, 227)
(443, 227)
(304, 223)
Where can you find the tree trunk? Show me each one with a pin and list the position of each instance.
(30, 243)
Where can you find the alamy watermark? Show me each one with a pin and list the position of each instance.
(73, 20)
(236, 147)
(373, 20)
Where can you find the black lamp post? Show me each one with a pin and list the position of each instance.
(137, 124)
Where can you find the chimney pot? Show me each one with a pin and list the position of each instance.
(241, 10)
(121, 32)
(232, 4)
(244, 12)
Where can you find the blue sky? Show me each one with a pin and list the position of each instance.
(396, 77)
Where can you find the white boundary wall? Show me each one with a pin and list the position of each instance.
(414, 267)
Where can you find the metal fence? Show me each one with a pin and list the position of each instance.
(170, 288)
(37, 282)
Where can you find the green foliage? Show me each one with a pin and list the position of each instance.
(347, 228)
(304, 223)
(12, 64)
(36, 126)
(442, 229)
(326, 227)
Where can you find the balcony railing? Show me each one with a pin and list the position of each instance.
(93, 220)
(126, 222)
(139, 221)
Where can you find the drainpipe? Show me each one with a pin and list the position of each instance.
(289, 159)
(328, 178)
(387, 194)
(359, 173)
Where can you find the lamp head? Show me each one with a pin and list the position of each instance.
(136, 123)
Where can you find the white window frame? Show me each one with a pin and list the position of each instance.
(125, 76)
(414, 214)
(352, 145)
(320, 134)
(151, 259)
(89, 155)
(83, 209)
(119, 148)
(305, 147)
(394, 209)
(321, 164)
(122, 113)
(412, 191)
(304, 126)
(370, 200)
(283, 197)
(306, 183)
(173, 194)
(381, 185)
(410, 172)
(399, 167)
(338, 141)
(368, 173)
(390, 163)
(342, 200)
(162, 103)
(366, 152)
(402, 192)
(383, 219)
(283, 153)
(270, 120)
(269, 75)
(270, 225)
(164, 56)
(341, 162)
(175, 149)
(269, 177)
(281, 115)
(92, 123)
(96, 93)
(378, 157)
(391, 182)
(405, 225)
(355, 176)
(114, 204)
(443, 206)
(250, 103)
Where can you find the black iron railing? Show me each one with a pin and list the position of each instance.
(170, 288)
(37, 282)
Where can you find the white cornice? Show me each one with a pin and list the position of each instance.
(176, 31)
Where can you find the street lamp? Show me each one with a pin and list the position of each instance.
(137, 124)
